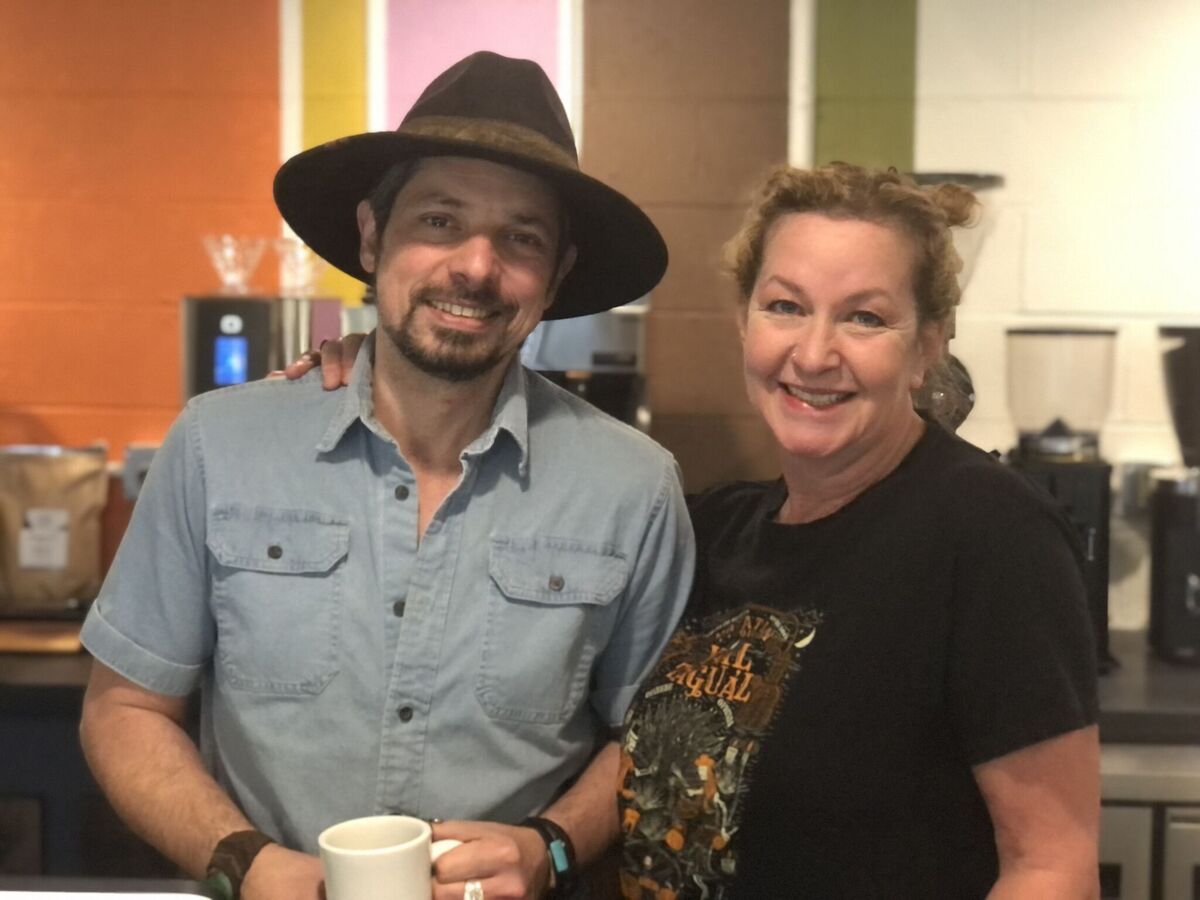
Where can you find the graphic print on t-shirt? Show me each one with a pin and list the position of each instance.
(690, 743)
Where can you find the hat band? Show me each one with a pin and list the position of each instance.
(494, 135)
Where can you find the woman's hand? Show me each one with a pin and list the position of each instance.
(336, 359)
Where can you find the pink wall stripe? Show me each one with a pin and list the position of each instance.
(426, 36)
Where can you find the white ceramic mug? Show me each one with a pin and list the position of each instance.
(379, 858)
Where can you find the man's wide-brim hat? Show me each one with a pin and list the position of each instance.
(495, 108)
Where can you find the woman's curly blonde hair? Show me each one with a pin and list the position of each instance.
(885, 197)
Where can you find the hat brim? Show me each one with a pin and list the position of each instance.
(621, 254)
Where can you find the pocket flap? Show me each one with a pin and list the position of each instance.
(276, 540)
(556, 570)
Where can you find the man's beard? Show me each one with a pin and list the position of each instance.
(454, 355)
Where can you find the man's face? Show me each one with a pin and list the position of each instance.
(466, 265)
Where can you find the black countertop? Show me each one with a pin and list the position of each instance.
(1146, 700)
(1143, 701)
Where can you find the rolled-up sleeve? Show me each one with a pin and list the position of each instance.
(152, 622)
(653, 602)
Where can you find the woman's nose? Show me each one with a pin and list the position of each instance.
(815, 349)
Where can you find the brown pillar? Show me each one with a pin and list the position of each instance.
(685, 107)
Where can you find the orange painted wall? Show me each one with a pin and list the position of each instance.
(128, 129)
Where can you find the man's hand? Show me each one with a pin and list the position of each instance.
(281, 874)
(336, 359)
(509, 863)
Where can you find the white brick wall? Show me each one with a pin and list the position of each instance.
(1091, 111)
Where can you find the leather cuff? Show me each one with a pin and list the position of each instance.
(231, 861)
(561, 854)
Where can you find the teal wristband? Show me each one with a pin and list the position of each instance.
(560, 853)
(219, 884)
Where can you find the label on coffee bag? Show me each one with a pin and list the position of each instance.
(44, 539)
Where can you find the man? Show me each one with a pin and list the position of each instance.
(433, 592)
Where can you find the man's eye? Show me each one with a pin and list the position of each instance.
(433, 220)
(527, 239)
(863, 317)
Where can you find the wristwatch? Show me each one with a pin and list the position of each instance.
(561, 854)
(231, 861)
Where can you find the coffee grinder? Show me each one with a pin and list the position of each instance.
(1059, 392)
(1175, 509)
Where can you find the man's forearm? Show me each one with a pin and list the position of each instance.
(588, 811)
(152, 774)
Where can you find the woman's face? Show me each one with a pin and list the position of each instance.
(830, 337)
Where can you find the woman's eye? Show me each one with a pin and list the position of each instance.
(783, 307)
(863, 317)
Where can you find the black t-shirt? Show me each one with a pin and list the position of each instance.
(810, 730)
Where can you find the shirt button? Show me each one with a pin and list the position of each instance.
(556, 583)
(402, 492)
(405, 713)
(398, 608)
(274, 551)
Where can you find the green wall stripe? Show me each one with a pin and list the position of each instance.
(865, 82)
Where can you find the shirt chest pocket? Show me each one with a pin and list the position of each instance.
(550, 612)
(276, 576)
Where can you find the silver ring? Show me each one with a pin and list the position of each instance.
(473, 890)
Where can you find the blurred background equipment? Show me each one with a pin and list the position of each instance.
(232, 337)
(598, 358)
(1174, 631)
(1059, 392)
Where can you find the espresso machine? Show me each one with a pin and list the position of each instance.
(1175, 509)
(235, 336)
(1059, 391)
(598, 358)
(232, 340)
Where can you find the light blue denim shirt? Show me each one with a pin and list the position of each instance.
(273, 560)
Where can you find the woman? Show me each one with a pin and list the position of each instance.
(885, 686)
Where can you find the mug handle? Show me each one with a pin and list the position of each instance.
(437, 848)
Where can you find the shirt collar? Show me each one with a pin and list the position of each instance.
(510, 414)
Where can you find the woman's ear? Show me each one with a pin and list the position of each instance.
(931, 347)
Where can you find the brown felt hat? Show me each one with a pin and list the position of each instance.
(495, 108)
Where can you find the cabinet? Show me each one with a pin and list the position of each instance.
(1181, 859)
(1150, 822)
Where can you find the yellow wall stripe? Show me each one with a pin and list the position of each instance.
(335, 93)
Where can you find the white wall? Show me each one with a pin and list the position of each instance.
(1091, 111)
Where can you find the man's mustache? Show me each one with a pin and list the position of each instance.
(485, 297)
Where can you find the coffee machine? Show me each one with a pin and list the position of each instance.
(1175, 509)
(235, 336)
(1059, 391)
(232, 340)
(598, 358)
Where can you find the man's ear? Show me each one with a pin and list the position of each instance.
(368, 243)
(564, 268)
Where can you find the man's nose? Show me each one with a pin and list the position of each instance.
(815, 349)
(475, 260)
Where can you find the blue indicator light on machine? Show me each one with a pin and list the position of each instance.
(231, 360)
